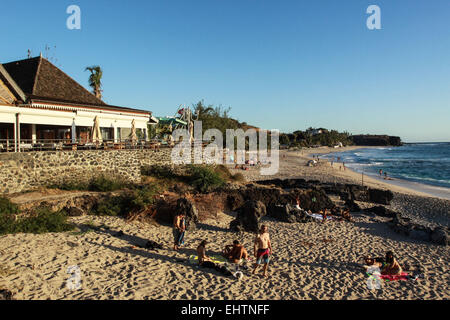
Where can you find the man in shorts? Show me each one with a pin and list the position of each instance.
(262, 250)
(179, 229)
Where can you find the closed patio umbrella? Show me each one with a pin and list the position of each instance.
(133, 136)
(96, 133)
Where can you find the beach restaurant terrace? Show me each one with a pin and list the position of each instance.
(42, 108)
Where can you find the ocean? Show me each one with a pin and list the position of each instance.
(424, 163)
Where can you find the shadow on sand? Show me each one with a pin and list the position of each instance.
(140, 249)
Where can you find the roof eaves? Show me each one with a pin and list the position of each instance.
(12, 83)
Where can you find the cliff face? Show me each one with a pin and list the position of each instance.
(376, 140)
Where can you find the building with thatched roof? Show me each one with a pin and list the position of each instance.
(39, 102)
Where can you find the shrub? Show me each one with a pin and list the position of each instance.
(104, 184)
(133, 200)
(43, 220)
(111, 207)
(204, 179)
(100, 184)
(7, 207)
(8, 210)
(223, 172)
(239, 177)
(159, 171)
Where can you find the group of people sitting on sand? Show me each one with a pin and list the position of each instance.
(236, 253)
(388, 265)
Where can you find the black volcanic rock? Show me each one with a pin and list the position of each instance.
(6, 294)
(346, 192)
(248, 216)
(440, 236)
(380, 196)
(381, 211)
(187, 207)
(287, 213)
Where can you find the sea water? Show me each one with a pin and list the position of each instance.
(424, 163)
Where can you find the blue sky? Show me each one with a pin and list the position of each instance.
(284, 65)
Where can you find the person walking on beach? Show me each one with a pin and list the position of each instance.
(262, 250)
(381, 172)
(179, 229)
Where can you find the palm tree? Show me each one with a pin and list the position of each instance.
(95, 80)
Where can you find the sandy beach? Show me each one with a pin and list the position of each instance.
(310, 261)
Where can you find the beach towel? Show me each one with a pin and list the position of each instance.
(193, 259)
(397, 277)
(318, 216)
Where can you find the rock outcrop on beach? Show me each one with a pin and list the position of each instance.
(440, 236)
(376, 140)
(381, 211)
(5, 294)
(314, 199)
(248, 216)
(409, 228)
(165, 211)
(188, 208)
(287, 213)
(346, 192)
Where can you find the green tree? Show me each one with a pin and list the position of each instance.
(95, 80)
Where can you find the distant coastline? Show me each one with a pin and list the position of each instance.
(424, 188)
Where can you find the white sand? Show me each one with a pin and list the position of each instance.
(303, 266)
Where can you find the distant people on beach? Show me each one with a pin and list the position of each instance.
(346, 215)
(385, 175)
(325, 213)
(235, 252)
(381, 172)
(179, 230)
(297, 204)
(262, 250)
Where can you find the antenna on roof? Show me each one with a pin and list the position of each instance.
(29, 53)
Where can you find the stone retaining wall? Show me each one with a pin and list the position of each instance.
(29, 170)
